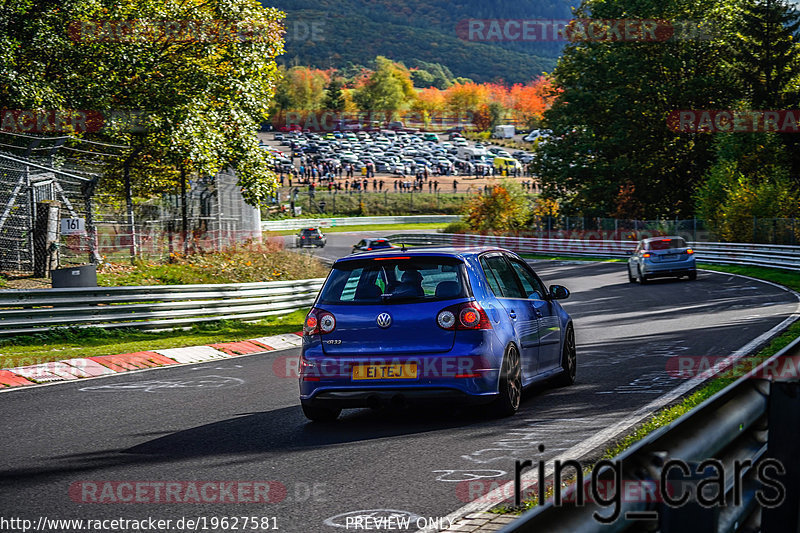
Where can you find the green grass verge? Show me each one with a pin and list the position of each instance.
(672, 413)
(388, 228)
(68, 343)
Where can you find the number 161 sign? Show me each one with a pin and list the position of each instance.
(73, 226)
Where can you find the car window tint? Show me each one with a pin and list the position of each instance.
(533, 289)
(506, 280)
(491, 279)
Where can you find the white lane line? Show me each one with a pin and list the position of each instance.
(527, 480)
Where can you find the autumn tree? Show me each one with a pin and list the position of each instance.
(504, 208)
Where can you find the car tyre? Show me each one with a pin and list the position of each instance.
(631, 279)
(317, 413)
(569, 360)
(640, 277)
(692, 276)
(510, 388)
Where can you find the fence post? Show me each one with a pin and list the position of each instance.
(91, 229)
(45, 238)
(783, 446)
(691, 516)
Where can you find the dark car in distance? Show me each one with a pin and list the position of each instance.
(309, 237)
(369, 245)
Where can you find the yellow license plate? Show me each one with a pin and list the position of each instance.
(391, 371)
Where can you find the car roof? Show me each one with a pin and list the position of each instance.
(665, 237)
(459, 253)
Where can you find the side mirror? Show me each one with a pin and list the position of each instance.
(558, 292)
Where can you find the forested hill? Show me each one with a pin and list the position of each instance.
(355, 31)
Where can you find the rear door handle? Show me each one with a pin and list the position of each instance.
(513, 315)
(538, 313)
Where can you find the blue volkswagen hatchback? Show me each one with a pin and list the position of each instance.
(394, 327)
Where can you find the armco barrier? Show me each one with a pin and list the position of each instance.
(299, 223)
(734, 445)
(24, 311)
(766, 255)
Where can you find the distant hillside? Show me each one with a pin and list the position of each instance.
(355, 31)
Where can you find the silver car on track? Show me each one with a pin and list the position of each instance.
(661, 257)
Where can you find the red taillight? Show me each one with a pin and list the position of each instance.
(645, 255)
(319, 322)
(302, 237)
(369, 249)
(468, 315)
(689, 251)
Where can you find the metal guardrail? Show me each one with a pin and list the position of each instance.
(24, 311)
(299, 223)
(766, 255)
(751, 423)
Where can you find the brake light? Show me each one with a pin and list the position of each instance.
(388, 258)
(368, 249)
(467, 315)
(645, 255)
(689, 251)
(319, 322)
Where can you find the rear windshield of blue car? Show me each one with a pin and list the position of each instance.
(395, 280)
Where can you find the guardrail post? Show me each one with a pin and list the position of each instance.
(691, 515)
(784, 446)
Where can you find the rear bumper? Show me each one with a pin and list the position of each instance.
(394, 397)
(666, 269)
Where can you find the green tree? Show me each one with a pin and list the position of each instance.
(766, 55)
(610, 113)
(427, 74)
(334, 97)
(200, 93)
(749, 180)
(388, 89)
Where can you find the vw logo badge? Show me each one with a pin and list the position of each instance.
(384, 320)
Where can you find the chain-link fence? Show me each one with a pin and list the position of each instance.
(215, 217)
(34, 198)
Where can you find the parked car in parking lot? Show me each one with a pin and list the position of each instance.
(660, 257)
(396, 327)
(309, 237)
